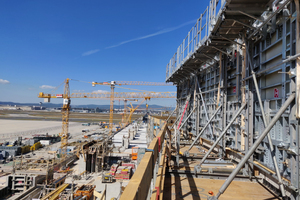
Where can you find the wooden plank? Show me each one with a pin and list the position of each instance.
(138, 186)
(170, 146)
(157, 183)
(154, 146)
(190, 188)
(147, 175)
(161, 196)
(100, 196)
(269, 170)
(160, 174)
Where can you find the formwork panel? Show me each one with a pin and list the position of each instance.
(231, 84)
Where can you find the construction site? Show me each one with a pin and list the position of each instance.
(234, 133)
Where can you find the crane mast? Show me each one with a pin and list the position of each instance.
(65, 119)
(112, 86)
(111, 110)
(67, 96)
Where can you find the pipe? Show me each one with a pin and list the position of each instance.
(255, 145)
(175, 122)
(187, 102)
(265, 123)
(171, 114)
(204, 128)
(187, 118)
(204, 106)
(269, 18)
(221, 135)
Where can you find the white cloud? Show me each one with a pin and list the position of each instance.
(47, 87)
(90, 52)
(154, 34)
(4, 81)
(100, 91)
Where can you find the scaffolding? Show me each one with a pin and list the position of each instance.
(239, 70)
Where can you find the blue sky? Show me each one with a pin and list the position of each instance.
(43, 42)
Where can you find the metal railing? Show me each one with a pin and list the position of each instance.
(196, 37)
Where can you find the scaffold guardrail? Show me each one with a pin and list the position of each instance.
(196, 37)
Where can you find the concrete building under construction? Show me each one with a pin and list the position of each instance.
(233, 135)
(237, 74)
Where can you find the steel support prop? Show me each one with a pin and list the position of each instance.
(265, 123)
(198, 167)
(204, 128)
(171, 114)
(255, 145)
(187, 117)
(179, 117)
(184, 110)
(210, 129)
(175, 122)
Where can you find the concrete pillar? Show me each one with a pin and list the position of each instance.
(125, 142)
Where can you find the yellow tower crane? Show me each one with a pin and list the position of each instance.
(132, 109)
(65, 114)
(125, 107)
(94, 95)
(112, 86)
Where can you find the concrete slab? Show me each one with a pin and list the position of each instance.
(140, 139)
(11, 129)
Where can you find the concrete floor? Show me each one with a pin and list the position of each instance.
(11, 129)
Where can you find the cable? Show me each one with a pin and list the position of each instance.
(81, 81)
(133, 89)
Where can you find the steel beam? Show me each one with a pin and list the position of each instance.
(220, 50)
(187, 118)
(210, 129)
(209, 57)
(204, 128)
(274, 66)
(251, 27)
(269, 18)
(198, 167)
(248, 15)
(232, 41)
(171, 114)
(265, 123)
(255, 145)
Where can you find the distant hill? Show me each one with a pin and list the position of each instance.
(90, 106)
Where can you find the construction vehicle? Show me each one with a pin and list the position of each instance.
(85, 191)
(134, 153)
(107, 178)
(128, 120)
(125, 108)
